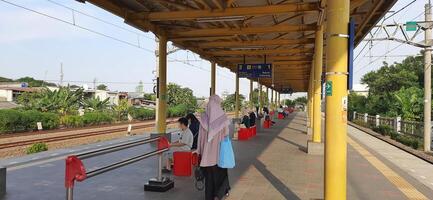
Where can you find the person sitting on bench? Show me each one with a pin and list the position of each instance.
(184, 143)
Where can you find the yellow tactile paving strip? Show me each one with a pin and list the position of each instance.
(405, 187)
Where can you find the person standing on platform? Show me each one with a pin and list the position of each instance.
(194, 126)
(213, 129)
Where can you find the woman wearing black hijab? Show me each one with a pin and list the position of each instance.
(194, 126)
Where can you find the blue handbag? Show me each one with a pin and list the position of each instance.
(226, 154)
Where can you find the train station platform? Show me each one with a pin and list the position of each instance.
(272, 165)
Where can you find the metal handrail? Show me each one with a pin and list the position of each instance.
(109, 149)
(75, 170)
(123, 163)
(410, 128)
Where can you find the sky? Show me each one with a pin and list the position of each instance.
(120, 56)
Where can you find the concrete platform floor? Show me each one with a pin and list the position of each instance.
(272, 165)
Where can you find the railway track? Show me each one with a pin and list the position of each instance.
(78, 135)
(74, 136)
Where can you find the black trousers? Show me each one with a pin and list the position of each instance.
(216, 182)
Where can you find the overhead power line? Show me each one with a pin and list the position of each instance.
(99, 19)
(384, 19)
(97, 32)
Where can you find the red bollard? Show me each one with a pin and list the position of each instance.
(280, 116)
(267, 124)
(182, 163)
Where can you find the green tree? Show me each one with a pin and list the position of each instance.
(61, 101)
(302, 101)
(390, 78)
(3, 79)
(255, 97)
(229, 102)
(150, 96)
(122, 109)
(289, 102)
(409, 103)
(357, 103)
(177, 95)
(102, 87)
(34, 83)
(95, 104)
(394, 90)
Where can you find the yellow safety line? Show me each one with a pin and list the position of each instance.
(405, 187)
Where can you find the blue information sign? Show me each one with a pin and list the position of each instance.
(263, 70)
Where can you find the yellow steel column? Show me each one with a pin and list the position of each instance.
(279, 98)
(272, 99)
(260, 97)
(336, 99)
(267, 97)
(251, 94)
(310, 102)
(237, 96)
(161, 100)
(318, 58)
(213, 78)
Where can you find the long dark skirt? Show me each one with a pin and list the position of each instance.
(216, 182)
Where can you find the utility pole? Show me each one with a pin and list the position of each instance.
(94, 83)
(61, 74)
(427, 80)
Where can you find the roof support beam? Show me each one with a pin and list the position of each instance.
(255, 43)
(262, 52)
(227, 12)
(290, 62)
(249, 59)
(242, 31)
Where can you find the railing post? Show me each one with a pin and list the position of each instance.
(398, 124)
(377, 120)
(159, 177)
(366, 118)
(2, 182)
(69, 193)
(354, 115)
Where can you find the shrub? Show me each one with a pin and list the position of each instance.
(394, 135)
(18, 121)
(361, 123)
(72, 121)
(97, 118)
(177, 111)
(142, 113)
(11, 121)
(37, 147)
(383, 129)
(408, 141)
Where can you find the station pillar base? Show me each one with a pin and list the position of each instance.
(159, 186)
(315, 148)
(2, 182)
(309, 131)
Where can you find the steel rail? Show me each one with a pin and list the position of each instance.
(74, 136)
